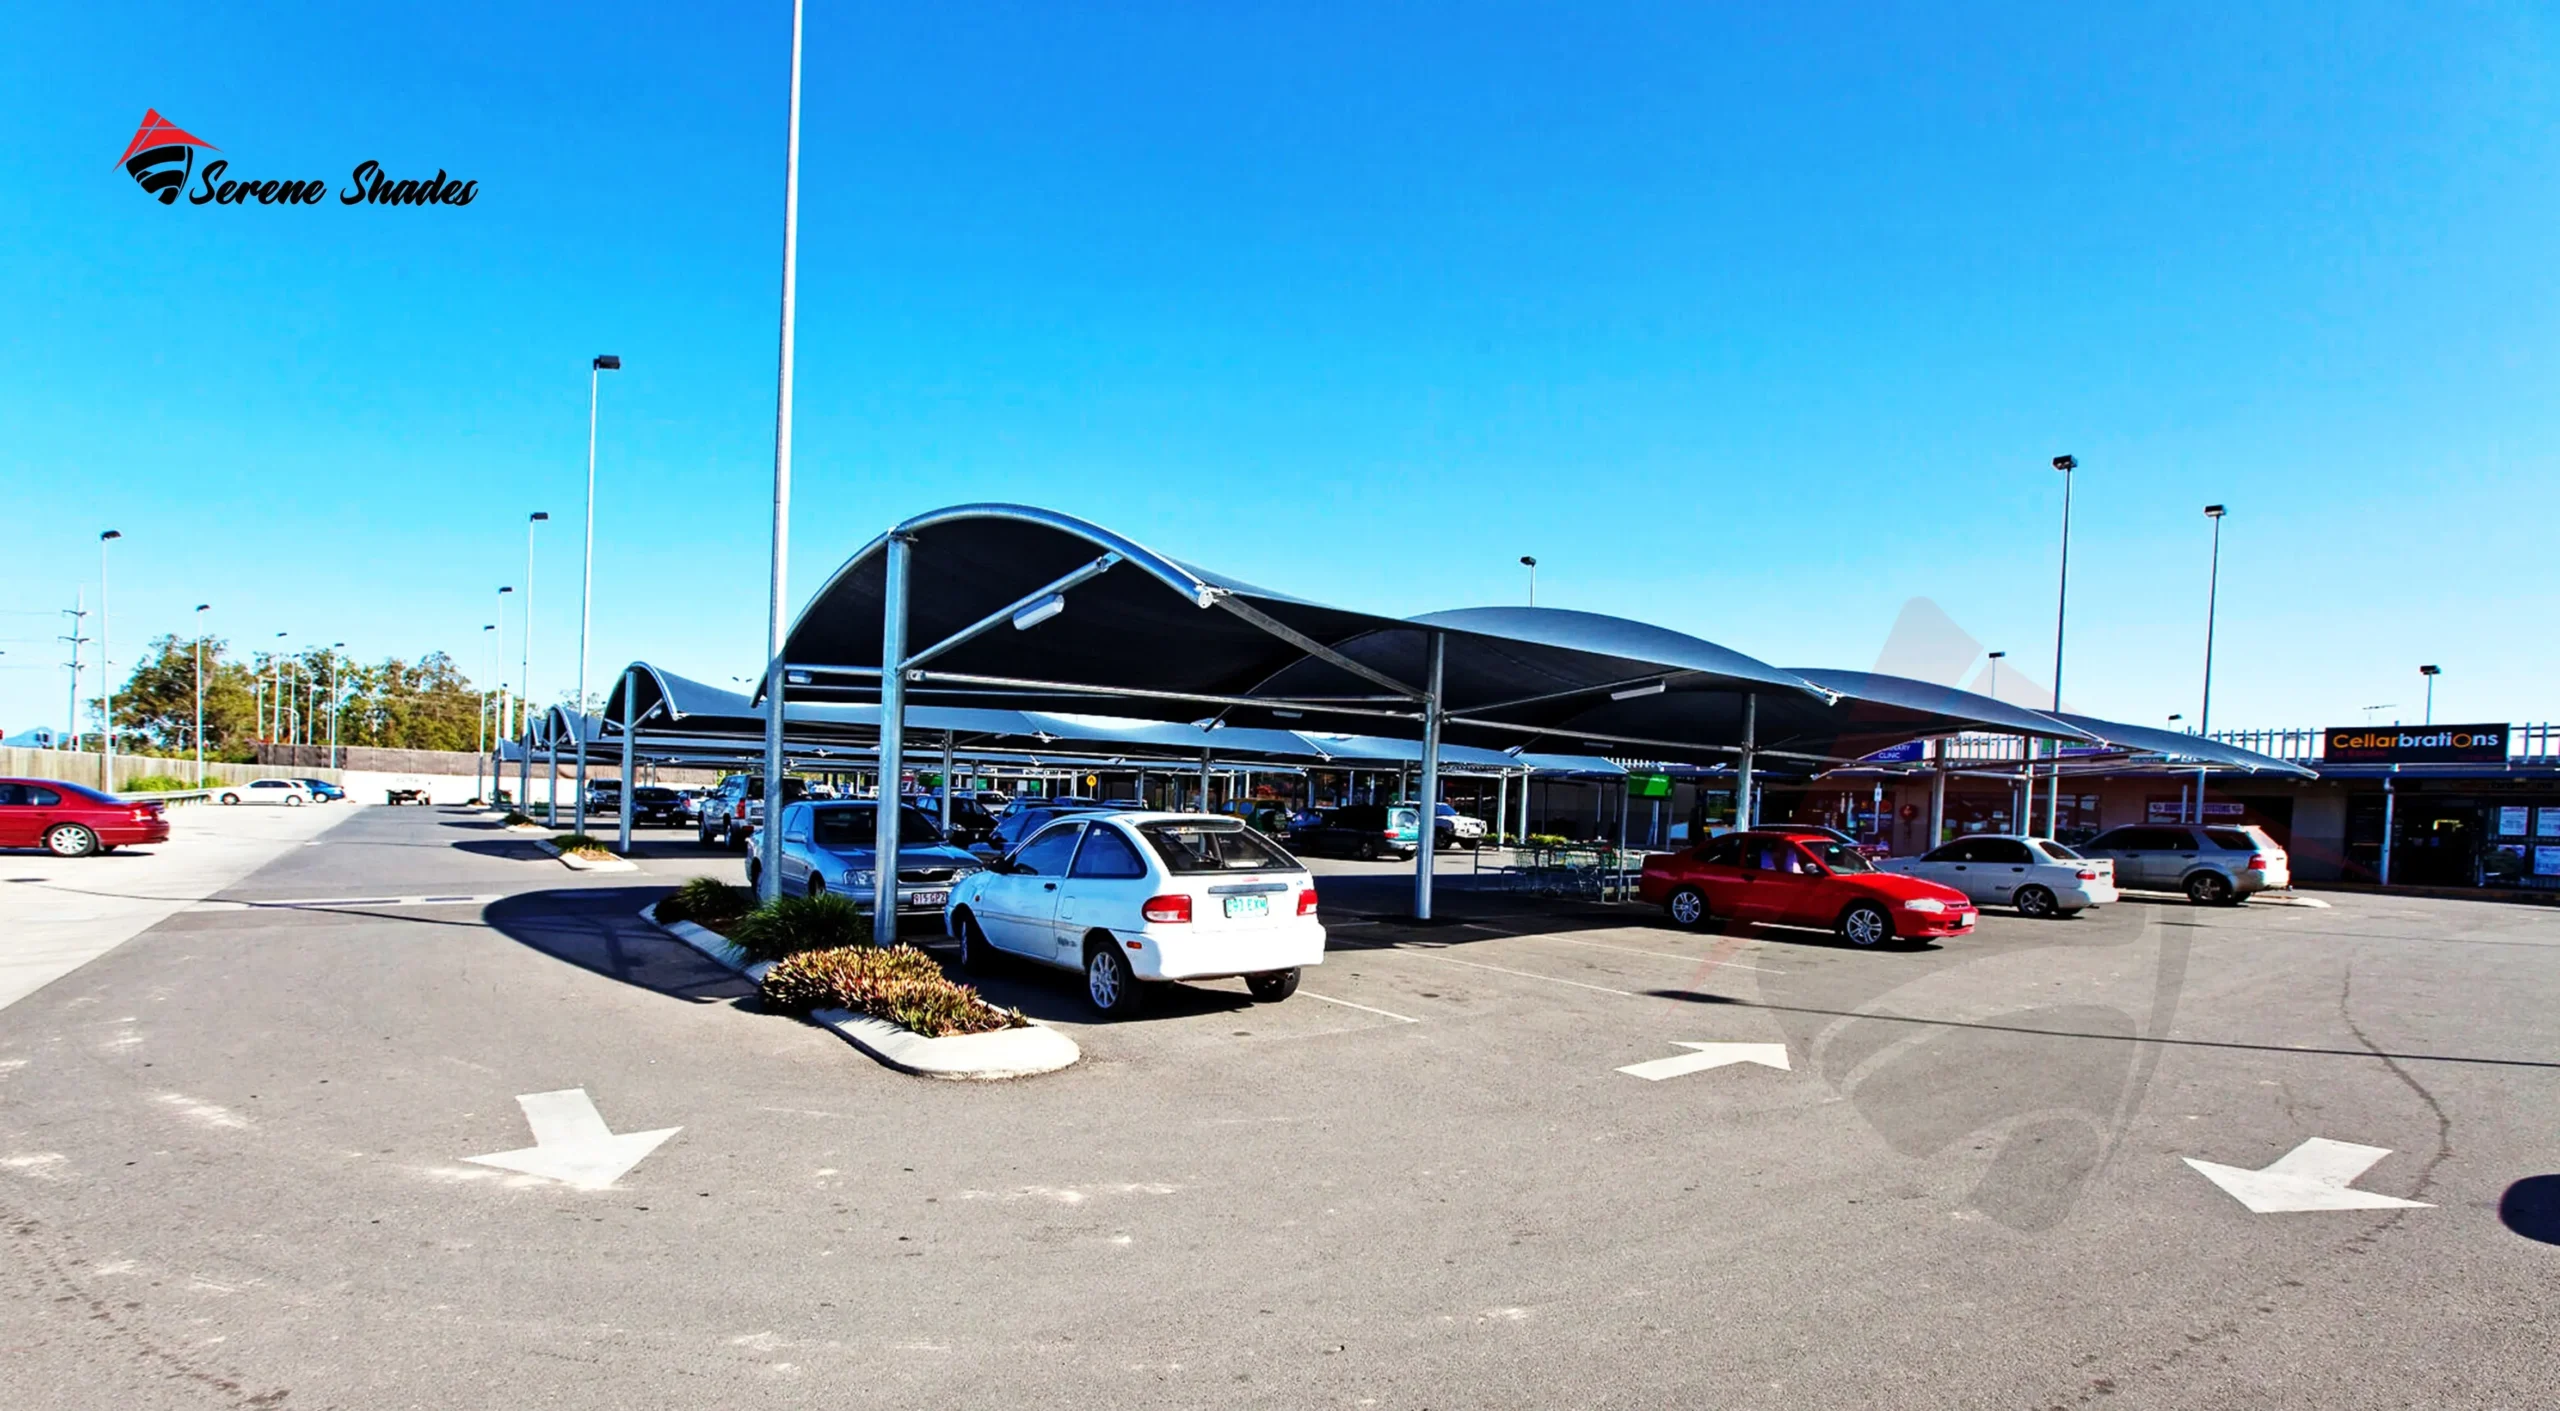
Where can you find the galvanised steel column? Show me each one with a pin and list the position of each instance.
(946, 784)
(1501, 805)
(2390, 797)
(782, 479)
(630, 723)
(1525, 775)
(1742, 770)
(1428, 829)
(1937, 797)
(1204, 781)
(893, 740)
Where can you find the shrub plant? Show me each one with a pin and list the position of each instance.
(789, 925)
(707, 901)
(900, 984)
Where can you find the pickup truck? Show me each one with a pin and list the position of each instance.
(732, 811)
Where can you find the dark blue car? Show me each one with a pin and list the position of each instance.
(322, 791)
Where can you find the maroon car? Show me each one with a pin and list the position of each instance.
(68, 820)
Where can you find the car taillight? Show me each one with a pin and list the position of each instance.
(2257, 862)
(1388, 833)
(1307, 902)
(1172, 907)
(2090, 875)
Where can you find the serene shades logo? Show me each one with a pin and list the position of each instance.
(162, 156)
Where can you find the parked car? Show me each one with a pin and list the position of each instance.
(994, 801)
(730, 813)
(1798, 877)
(322, 791)
(2038, 876)
(2214, 864)
(1131, 897)
(287, 792)
(407, 790)
(604, 796)
(1365, 830)
(656, 804)
(1027, 818)
(70, 820)
(1453, 829)
(971, 824)
(829, 846)
(689, 804)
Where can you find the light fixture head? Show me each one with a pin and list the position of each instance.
(1650, 688)
(1530, 559)
(1039, 612)
(2430, 671)
(2213, 511)
(2066, 463)
(200, 607)
(1290, 714)
(795, 678)
(1995, 656)
(110, 534)
(607, 362)
(503, 588)
(541, 516)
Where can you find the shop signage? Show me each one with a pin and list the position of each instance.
(1908, 752)
(2414, 744)
(1649, 786)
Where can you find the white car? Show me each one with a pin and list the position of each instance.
(292, 793)
(2038, 876)
(1134, 897)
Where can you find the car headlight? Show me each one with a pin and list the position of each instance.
(959, 872)
(858, 881)
(1924, 904)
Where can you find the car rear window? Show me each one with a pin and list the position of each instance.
(2233, 839)
(2056, 850)
(1215, 847)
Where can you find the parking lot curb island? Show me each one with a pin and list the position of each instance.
(576, 863)
(1006, 1053)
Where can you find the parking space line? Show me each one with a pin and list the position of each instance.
(1505, 970)
(311, 903)
(1365, 1009)
(1690, 960)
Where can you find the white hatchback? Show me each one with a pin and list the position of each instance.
(292, 793)
(2038, 876)
(1135, 897)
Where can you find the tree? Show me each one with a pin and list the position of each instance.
(156, 706)
(425, 705)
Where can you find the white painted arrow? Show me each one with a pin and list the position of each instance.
(1707, 1056)
(571, 1142)
(2317, 1175)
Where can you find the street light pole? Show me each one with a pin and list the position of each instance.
(2061, 613)
(2212, 600)
(773, 670)
(334, 649)
(488, 723)
(106, 673)
(275, 691)
(1531, 563)
(604, 363)
(524, 667)
(2431, 673)
(200, 611)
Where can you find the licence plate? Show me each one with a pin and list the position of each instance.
(930, 899)
(1248, 906)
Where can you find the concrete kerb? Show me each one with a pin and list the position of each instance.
(1004, 1053)
(576, 863)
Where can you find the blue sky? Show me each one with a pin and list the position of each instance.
(1759, 325)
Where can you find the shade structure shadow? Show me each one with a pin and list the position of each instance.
(2531, 1208)
(599, 929)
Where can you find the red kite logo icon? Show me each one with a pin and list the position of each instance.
(161, 155)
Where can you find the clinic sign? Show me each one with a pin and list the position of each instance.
(2414, 744)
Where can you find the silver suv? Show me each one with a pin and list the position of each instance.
(2214, 864)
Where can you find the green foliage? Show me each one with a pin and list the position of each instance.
(706, 901)
(426, 705)
(515, 819)
(581, 843)
(788, 925)
(157, 784)
(1549, 840)
(900, 984)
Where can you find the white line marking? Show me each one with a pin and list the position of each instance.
(1523, 974)
(1691, 960)
(309, 903)
(1388, 1013)
(1708, 1056)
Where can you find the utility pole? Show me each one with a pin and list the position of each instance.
(79, 609)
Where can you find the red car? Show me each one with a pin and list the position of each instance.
(1799, 877)
(70, 821)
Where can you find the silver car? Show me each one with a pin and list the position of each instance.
(2215, 864)
(827, 847)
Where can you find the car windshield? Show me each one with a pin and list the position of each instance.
(1215, 847)
(855, 825)
(1839, 857)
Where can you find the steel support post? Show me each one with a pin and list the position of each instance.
(1428, 829)
(630, 726)
(893, 741)
(1742, 770)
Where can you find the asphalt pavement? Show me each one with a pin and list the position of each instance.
(234, 1163)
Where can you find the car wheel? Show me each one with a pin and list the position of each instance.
(2210, 889)
(231, 798)
(1367, 851)
(1687, 908)
(755, 877)
(2037, 901)
(293, 800)
(70, 840)
(817, 885)
(975, 953)
(1108, 981)
(1866, 926)
(1273, 986)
